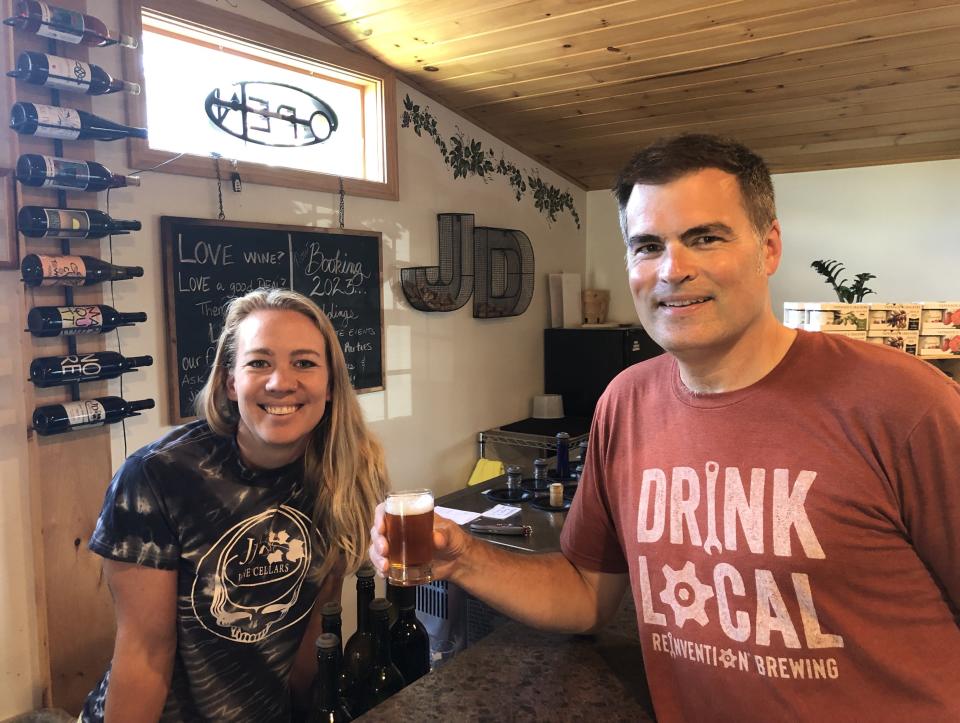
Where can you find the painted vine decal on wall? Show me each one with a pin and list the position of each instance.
(468, 157)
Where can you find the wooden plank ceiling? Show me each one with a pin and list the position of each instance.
(580, 84)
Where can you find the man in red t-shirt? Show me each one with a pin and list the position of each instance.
(784, 505)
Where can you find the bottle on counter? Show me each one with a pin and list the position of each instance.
(332, 622)
(50, 172)
(41, 222)
(563, 455)
(46, 321)
(514, 477)
(59, 418)
(391, 595)
(581, 459)
(52, 371)
(409, 641)
(540, 478)
(331, 615)
(358, 653)
(329, 706)
(53, 121)
(70, 26)
(54, 71)
(384, 679)
(42, 270)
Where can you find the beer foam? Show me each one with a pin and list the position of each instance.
(413, 504)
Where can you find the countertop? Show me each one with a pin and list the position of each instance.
(546, 525)
(520, 674)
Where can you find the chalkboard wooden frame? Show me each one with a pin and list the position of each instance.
(297, 239)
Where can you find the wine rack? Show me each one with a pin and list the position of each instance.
(67, 473)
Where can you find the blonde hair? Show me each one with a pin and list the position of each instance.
(343, 465)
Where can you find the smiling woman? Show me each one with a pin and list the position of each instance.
(224, 538)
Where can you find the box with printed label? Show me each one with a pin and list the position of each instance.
(893, 317)
(940, 317)
(835, 317)
(940, 345)
(794, 315)
(907, 341)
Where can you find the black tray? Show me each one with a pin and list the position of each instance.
(502, 494)
(543, 504)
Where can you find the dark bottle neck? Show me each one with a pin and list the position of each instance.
(365, 590)
(329, 673)
(139, 405)
(381, 630)
(132, 317)
(139, 361)
(332, 625)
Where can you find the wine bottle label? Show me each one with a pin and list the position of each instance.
(60, 24)
(66, 174)
(85, 412)
(63, 270)
(76, 366)
(80, 319)
(67, 74)
(56, 122)
(64, 222)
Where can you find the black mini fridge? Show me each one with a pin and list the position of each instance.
(579, 363)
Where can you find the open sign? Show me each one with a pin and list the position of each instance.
(271, 114)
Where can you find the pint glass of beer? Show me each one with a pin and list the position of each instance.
(409, 521)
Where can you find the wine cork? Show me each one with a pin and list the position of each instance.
(556, 494)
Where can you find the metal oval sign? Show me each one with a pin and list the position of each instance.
(271, 114)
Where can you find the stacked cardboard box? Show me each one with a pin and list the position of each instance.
(895, 325)
(939, 329)
(833, 318)
(929, 329)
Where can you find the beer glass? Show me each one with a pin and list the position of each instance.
(409, 521)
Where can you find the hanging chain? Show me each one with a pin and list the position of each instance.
(216, 167)
(342, 196)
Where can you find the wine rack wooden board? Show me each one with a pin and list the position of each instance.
(68, 474)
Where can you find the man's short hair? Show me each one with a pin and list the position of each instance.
(668, 159)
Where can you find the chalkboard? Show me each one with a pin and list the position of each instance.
(206, 263)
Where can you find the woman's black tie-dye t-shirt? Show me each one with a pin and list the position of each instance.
(241, 543)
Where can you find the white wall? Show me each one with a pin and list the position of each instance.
(448, 375)
(898, 222)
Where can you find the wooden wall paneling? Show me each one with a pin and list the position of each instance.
(547, 78)
(614, 145)
(827, 95)
(600, 98)
(630, 103)
(605, 36)
(68, 473)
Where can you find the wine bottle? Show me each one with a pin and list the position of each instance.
(69, 26)
(50, 172)
(384, 679)
(52, 71)
(40, 222)
(40, 270)
(329, 707)
(332, 622)
(332, 619)
(563, 456)
(98, 319)
(53, 121)
(59, 418)
(52, 371)
(409, 641)
(358, 652)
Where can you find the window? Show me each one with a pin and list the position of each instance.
(293, 112)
